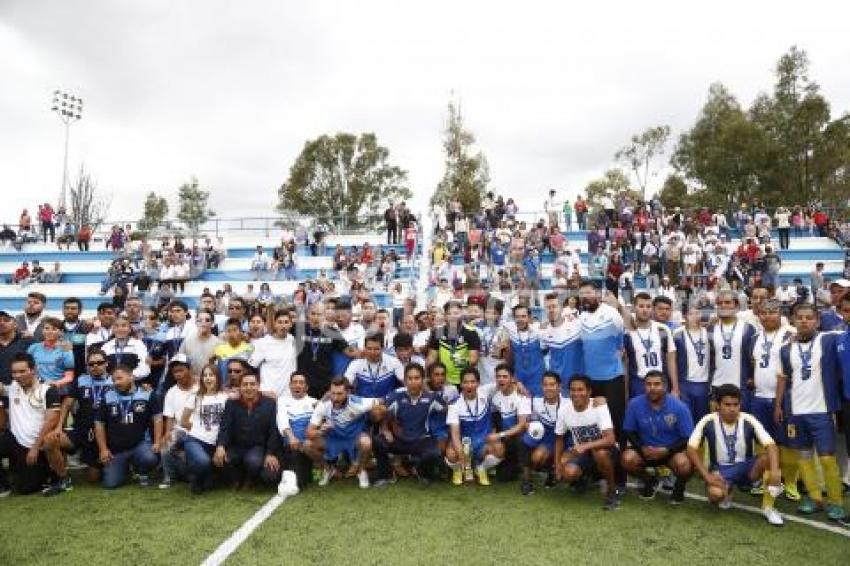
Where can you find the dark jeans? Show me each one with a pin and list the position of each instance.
(784, 238)
(142, 459)
(199, 461)
(48, 228)
(424, 450)
(248, 463)
(392, 233)
(83, 245)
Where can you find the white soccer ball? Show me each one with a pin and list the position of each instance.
(536, 430)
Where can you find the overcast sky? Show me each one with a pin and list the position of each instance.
(229, 91)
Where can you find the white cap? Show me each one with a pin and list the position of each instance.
(843, 283)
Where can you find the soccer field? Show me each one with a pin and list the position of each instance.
(402, 524)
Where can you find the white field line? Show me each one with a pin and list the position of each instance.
(241, 534)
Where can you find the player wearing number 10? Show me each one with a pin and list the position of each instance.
(649, 347)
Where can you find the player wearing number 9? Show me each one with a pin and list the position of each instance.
(730, 340)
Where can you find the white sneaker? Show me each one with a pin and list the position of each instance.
(327, 474)
(363, 479)
(773, 517)
(725, 505)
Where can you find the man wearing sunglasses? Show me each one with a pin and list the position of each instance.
(86, 393)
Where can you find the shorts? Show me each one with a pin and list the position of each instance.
(84, 443)
(547, 441)
(587, 464)
(737, 474)
(762, 410)
(807, 431)
(336, 446)
(478, 445)
(658, 463)
(440, 433)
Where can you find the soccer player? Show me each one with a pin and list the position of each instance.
(731, 435)
(33, 411)
(454, 344)
(404, 429)
(766, 363)
(403, 350)
(662, 311)
(316, 344)
(692, 363)
(730, 344)
(537, 453)
(494, 341)
(124, 349)
(562, 339)
(377, 374)
(122, 428)
(584, 440)
(470, 417)
(275, 356)
(248, 441)
(448, 394)
(658, 427)
(174, 464)
(510, 417)
(84, 399)
(809, 373)
(649, 347)
(201, 419)
(336, 430)
(293, 417)
(527, 351)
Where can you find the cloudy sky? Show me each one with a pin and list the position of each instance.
(229, 91)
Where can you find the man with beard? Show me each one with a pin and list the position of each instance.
(76, 330)
(316, 344)
(30, 321)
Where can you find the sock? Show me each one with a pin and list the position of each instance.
(832, 479)
(810, 478)
(490, 461)
(767, 500)
(789, 463)
(454, 466)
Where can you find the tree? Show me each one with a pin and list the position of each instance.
(674, 192)
(193, 205)
(342, 177)
(87, 205)
(641, 152)
(613, 184)
(467, 174)
(156, 210)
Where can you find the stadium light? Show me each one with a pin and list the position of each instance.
(69, 108)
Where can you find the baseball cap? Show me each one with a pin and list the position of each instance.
(843, 283)
(179, 359)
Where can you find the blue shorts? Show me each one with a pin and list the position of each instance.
(440, 433)
(478, 445)
(547, 441)
(762, 410)
(587, 464)
(336, 446)
(807, 431)
(737, 474)
(696, 395)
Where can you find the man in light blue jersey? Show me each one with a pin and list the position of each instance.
(527, 351)
(562, 339)
(377, 374)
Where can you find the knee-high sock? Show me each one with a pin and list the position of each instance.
(789, 463)
(832, 479)
(810, 477)
(767, 500)
(490, 461)
(453, 465)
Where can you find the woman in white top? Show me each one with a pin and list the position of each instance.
(201, 418)
(275, 355)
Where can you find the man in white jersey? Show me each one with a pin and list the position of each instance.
(275, 356)
(649, 347)
(510, 417)
(729, 344)
(537, 453)
(293, 417)
(494, 341)
(731, 436)
(562, 339)
(584, 440)
(692, 362)
(377, 374)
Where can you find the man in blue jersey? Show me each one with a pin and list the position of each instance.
(562, 339)
(128, 429)
(337, 430)
(831, 318)
(377, 374)
(448, 394)
(293, 418)
(662, 311)
(658, 427)
(527, 352)
(470, 422)
(602, 350)
(404, 430)
(810, 374)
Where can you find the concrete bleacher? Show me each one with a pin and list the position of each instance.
(83, 272)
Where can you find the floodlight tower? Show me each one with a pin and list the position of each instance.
(69, 108)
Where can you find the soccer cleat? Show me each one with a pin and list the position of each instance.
(611, 503)
(165, 484)
(835, 512)
(483, 478)
(792, 493)
(144, 481)
(380, 483)
(457, 477)
(327, 474)
(757, 488)
(808, 506)
(526, 488)
(649, 488)
(667, 483)
(725, 504)
(363, 479)
(773, 517)
(59, 486)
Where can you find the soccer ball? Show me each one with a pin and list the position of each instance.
(536, 430)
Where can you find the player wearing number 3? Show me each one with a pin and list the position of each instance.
(729, 343)
(649, 347)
